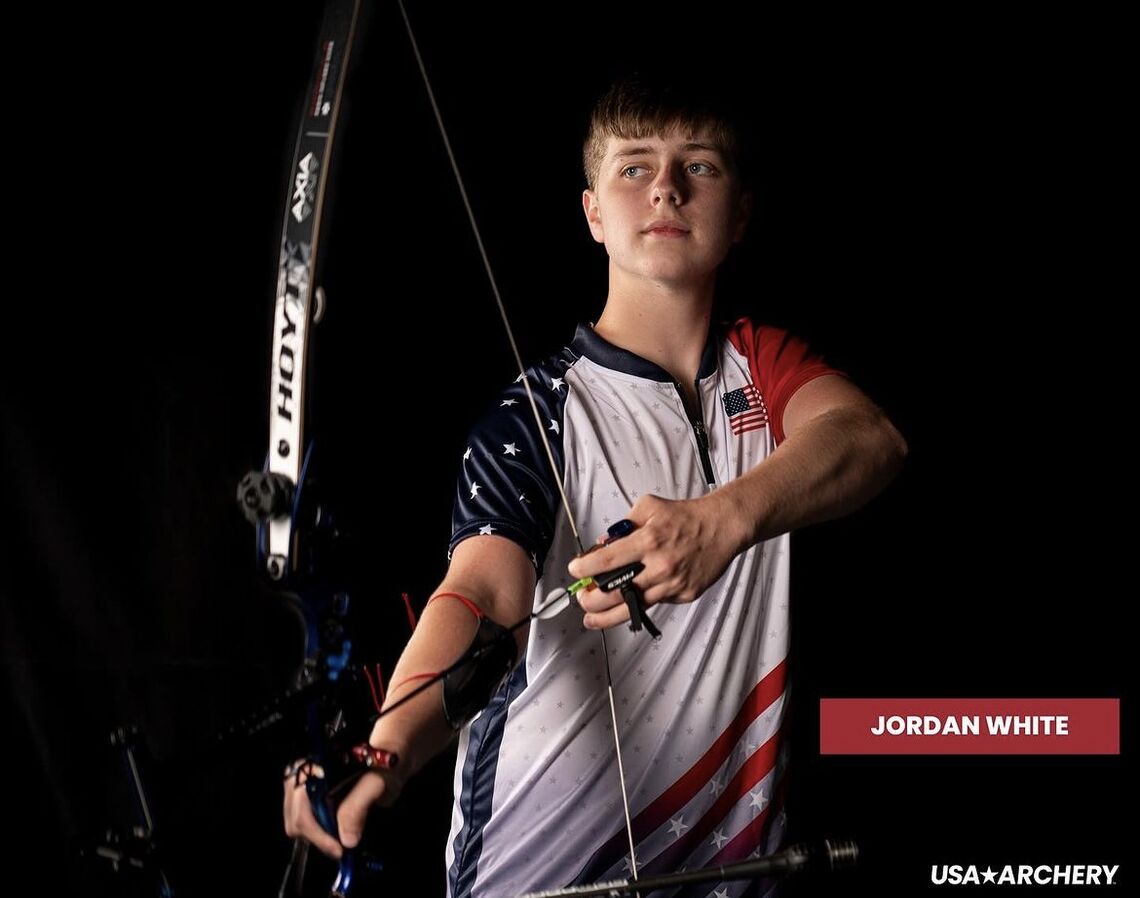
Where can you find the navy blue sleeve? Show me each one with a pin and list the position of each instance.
(505, 484)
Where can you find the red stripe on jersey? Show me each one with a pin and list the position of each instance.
(752, 771)
(697, 777)
(740, 846)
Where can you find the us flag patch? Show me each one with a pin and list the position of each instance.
(746, 410)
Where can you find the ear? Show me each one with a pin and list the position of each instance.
(593, 214)
(744, 215)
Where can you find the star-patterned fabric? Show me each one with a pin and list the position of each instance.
(537, 799)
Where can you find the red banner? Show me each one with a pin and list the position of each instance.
(969, 726)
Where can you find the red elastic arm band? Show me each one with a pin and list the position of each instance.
(471, 606)
(420, 676)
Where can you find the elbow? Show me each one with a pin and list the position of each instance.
(893, 445)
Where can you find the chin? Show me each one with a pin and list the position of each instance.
(675, 275)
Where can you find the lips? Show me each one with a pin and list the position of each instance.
(666, 227)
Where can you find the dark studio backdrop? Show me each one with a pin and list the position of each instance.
(936, 211)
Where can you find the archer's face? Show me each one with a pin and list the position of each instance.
(668, 208)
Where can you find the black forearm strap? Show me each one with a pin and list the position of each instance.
(469, 686)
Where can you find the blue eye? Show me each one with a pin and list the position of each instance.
(700, 168)
(628, 171)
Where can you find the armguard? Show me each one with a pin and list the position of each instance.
(474, 680)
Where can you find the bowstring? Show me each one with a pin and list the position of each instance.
(533, 405)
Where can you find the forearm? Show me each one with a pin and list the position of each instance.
(832, 465)
(418, 730)
(497, 577)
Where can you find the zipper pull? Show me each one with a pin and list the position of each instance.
(702, 437)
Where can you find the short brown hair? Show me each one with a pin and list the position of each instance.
(641, 105)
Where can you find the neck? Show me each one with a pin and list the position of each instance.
(664, 323)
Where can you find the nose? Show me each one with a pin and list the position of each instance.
(668, 187)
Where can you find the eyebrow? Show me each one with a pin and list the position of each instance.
(645, 151)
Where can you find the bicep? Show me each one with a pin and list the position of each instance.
(825, 393)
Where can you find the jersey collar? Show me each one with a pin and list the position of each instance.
(587, 343)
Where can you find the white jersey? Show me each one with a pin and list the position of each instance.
(537, 795)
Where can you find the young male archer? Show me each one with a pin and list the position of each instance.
(715, 443)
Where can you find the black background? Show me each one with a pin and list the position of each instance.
(941, 209)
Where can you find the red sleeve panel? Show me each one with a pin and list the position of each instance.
(780, 363)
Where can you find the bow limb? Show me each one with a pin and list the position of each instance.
(296, 534)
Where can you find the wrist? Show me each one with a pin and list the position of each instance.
(389, 739)
(373, 758)
(739, 517)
